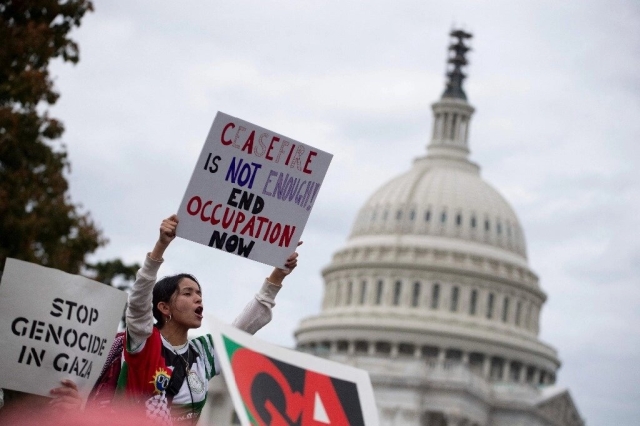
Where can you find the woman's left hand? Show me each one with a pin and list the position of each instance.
(66, 397)
(279, 274)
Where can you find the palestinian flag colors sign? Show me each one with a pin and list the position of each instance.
(271, 385)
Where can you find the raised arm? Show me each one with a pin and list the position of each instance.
(257, 313)
(139, 308)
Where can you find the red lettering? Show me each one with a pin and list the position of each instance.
(287, 234)
(296, 408)
(286, 163)
(321, 384)
(277, 419)
(262, 221)
(214, 220)
(240, 217)
(202, 216)
(226, 220)
(198, 201)
(275, 234)
(267, 156)
(249, 227)
(309, 157)
(283, 147)
(249, 365)
(222, 139)
(249, 143)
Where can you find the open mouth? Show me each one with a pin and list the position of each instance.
(198, 312)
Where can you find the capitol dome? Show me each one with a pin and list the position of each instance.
(432, 293)
(442, 199)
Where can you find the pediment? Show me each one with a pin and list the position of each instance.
(558, 407)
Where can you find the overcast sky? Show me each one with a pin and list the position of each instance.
(556, 131)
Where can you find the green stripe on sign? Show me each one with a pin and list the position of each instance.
(230, 346)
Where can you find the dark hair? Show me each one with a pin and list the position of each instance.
(163, 290)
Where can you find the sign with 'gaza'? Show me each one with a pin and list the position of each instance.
(251, 191)
(54, 326)
(272, 385)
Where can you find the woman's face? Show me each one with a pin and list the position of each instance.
(186, 304)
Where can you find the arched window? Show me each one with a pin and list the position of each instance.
(429, 351)
(518, 311)
(514, 371)
(543, 375)
(363, 292)
(443, 217)
(454, 298)
(406, 349)
(427, 216)
(497, 367)
(323, 347)
(397, 290)
(490, 305)
(453, 127)
(458, 219)
(435, 296)
(383, 347)
(505, 309)
(415, 297)
(362, 346)
(445, 125)
(349, 292)
(473, 302)
(379, 292)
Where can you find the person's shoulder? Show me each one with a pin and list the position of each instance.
(205, 340)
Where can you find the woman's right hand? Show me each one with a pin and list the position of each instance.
(168, 230)
(167, 234)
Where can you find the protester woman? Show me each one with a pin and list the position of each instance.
(163, 369)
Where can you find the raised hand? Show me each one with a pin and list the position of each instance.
(167, 234)
(168, 229)
(279, 274)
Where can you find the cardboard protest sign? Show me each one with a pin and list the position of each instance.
(251, 191)
(271, 385)
(54, 326)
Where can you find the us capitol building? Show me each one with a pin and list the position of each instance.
(433, 296)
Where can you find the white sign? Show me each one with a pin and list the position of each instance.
(277, 386)
(251, 191)
(54, 326)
